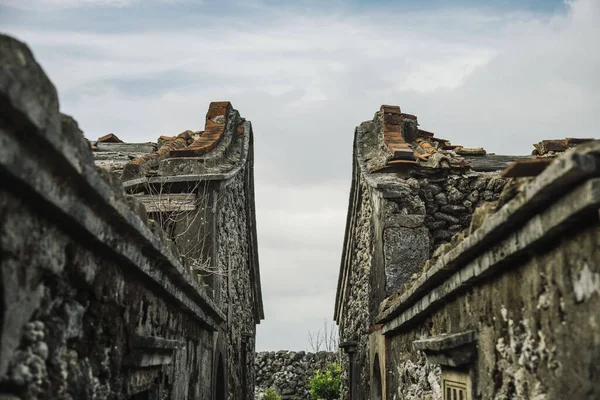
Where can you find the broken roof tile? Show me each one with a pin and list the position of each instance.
(422, 132)
(217, 109)
(526, 167)
(216, 120)
(471, 151)
(110, 138)
(577, 141)
(545, 146)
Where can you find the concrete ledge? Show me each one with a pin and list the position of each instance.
(452, 350)
(144, 148)
(445, 342)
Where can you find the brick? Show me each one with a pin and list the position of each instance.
(390, 109)
(218, 108)
(398, 145)
(395, 119)
(212, 135)
(210, 123)
(392, 128)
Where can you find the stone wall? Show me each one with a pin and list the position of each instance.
(450, 200)
(397, 220)
(288, 372)
(98, 300)
(357, 320)
(94, 304)
(236, 286)
(513, 306)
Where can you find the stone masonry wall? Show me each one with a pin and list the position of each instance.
(81, 313)
(451, 199)
(423, 214)
(512, 303)
(397, 223)
(288, 372)
(234, 274)
(356, 322)
(538, 335)
(95, 302)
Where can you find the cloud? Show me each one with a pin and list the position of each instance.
(305, 77)
(63, 4)
(57, 5)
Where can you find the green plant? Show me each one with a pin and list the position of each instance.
(325, 384)
(271, 394)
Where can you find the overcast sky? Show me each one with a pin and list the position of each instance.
(306, 73)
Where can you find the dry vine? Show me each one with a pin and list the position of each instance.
(188, 228)
(325, 339)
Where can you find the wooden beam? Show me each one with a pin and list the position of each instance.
(168, 202)
(492, 162)
(126, 147)
(530, 167)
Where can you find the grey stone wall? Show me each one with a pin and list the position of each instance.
(97, 300)
(75, 320)
(357, 319)
(451, 199)
(423, 213)
(396, 222)
(513, 303)
(237, 295)
(537, 337)
(288, 372)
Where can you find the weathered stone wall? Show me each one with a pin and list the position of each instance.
(423, 213)
(94, 304)
(357, 318)
(537, 324)
(396, 221)
(97, 300)
(451, 199)
(469, 276)
(513, 304)
(75, 320)
(288, 372)
(234, 275)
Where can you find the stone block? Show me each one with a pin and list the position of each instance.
(405, 252)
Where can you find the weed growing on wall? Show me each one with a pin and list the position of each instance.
(271, 394)
(325, 384)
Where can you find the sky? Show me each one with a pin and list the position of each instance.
(501, 74)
